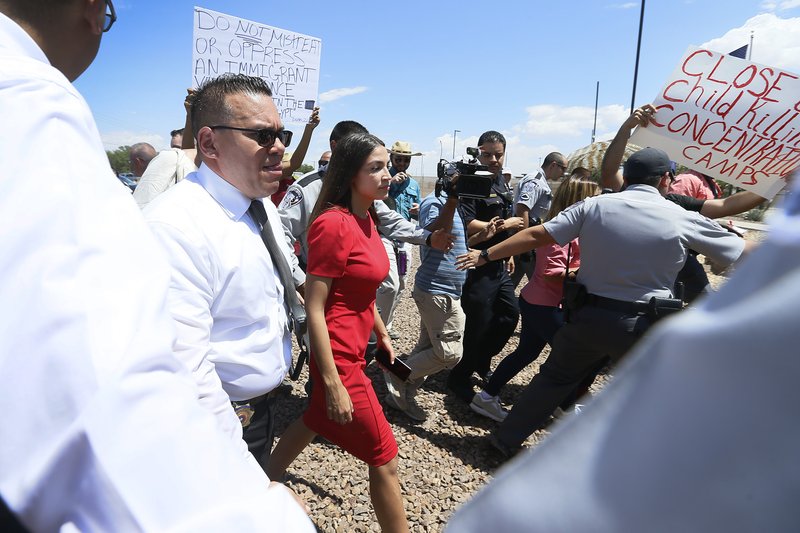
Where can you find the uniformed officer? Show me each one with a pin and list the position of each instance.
(633, 244)
(532, 198)
(693, 276)
(488, 298)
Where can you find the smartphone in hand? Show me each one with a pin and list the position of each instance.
(398, 368)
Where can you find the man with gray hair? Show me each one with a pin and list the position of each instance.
(102, 427)
(140, 155)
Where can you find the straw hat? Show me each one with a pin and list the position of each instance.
(402, 148)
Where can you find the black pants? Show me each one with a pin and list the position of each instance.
(578, 350)
(694, 279)
(492, 311)
(260, 434)
(524, 265)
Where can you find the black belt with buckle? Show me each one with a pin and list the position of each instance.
(244, 409)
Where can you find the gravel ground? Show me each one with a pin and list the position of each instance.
(442, 462)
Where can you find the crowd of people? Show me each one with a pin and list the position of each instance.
(150, 404)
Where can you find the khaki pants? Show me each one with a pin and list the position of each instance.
(389, 290)
(441, 334)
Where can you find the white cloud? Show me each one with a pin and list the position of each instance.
(776, 41)
(627, 5)
(573, 121)
(770, 5)
(114, 139)
(335, 94)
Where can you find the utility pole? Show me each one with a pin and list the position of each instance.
(596, 100)
(638, 49)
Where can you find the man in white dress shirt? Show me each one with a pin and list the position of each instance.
(101, 429)
(226, 295)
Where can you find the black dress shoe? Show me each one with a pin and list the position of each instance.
(505, 450)
(462, 389)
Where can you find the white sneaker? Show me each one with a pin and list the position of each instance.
(490, 408)
(413, 410)
(395, 386)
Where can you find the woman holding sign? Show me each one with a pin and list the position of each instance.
(346, 263)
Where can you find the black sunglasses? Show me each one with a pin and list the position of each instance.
(111, 16)
(265, 136)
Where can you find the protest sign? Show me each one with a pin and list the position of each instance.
(729, 118)
(287, 61)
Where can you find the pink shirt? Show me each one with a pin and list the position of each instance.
(551, 260)
(690, 184)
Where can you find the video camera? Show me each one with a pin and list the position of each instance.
(474, 179)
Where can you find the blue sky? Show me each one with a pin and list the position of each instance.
(416, 71)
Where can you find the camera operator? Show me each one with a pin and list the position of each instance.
(488, 298)
(437, 293)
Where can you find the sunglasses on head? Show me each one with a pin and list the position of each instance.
(264, 137)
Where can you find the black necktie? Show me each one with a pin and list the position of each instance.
(297, 315)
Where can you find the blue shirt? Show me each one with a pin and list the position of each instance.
(404, 195)
(437, 273)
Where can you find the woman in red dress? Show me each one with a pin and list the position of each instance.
(346, 264)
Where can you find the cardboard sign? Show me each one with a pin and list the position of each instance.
(729, 118)
(287, 61)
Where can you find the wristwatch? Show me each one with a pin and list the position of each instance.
(485, 255)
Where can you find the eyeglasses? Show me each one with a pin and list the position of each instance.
(322, 162)
(402, 159)
(562, 167)
(265, 136)
(671, 176)
(111, 16)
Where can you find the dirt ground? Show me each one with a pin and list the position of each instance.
(442, 462)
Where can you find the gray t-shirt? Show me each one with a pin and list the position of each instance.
(634, 243)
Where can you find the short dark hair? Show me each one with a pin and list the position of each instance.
(34, 12)
(209, 106)
(345, 128)
(492, 136)
(551, 158)
(346, 160)
(173, 133)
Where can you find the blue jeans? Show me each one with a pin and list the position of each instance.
(539, 325)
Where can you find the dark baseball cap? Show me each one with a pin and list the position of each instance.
(646, 162)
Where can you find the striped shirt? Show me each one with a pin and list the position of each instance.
(437, 273)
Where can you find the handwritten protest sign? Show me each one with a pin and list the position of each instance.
(730, 119)
(287, 61)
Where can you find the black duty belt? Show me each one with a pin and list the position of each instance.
(655, 309)
(616, 305)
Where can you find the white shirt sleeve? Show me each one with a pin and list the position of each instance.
(190, 301)
(102, 427)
